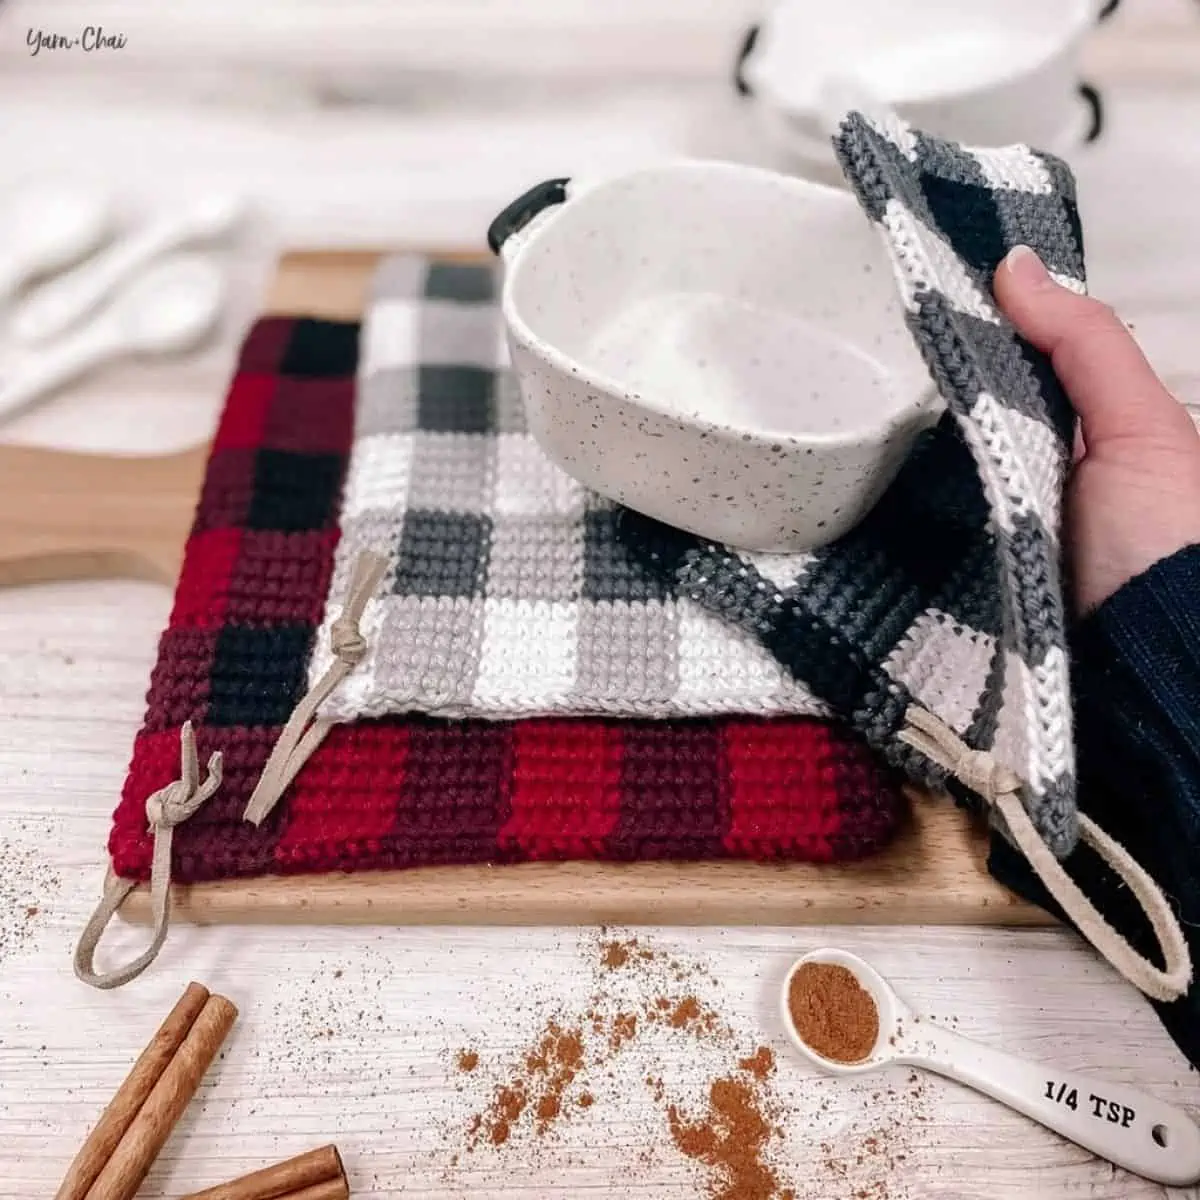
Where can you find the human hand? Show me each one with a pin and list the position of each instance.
(1134, 492)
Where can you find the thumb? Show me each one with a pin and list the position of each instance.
(1111, 386)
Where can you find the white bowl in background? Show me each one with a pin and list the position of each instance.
(981, 72)
(717, 346)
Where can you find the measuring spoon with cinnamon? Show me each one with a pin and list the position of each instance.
(844, 1017)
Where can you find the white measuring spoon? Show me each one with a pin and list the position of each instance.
(1119, 1123)
(45, 227)
(167, 310)
(57, 306)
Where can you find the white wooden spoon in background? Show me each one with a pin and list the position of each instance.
(46, 227)
(54, 308)
(167, 310)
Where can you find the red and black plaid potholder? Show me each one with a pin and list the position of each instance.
(415, 791)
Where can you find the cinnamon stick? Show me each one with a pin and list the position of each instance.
(317, 1175)
(129, 1163)
(331, 1189)
(131, 1095)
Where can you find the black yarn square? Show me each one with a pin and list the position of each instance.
(443, 554)
(968, 219)
(615, 570)
(455, 399)
(321, 349)
(460, 282)
(295, 492)
(258, 675)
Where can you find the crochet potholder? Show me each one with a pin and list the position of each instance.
(936, 627)
(505, 590)
(410, 791)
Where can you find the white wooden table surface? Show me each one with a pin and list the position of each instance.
(347, 1034)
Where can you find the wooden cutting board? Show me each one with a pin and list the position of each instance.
(66, 515)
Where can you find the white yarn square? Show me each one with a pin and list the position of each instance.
(379, 475)
(944, 665)
(527, 655)
(528, 483)
(919, 251)
(391, 335)
(721, 668)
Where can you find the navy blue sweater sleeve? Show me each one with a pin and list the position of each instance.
(1136, 679)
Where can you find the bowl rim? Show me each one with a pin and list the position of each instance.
(924, 393)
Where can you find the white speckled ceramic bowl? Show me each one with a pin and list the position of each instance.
(717, 346)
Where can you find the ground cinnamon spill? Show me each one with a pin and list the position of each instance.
(724, 1115)
(508, 1106)
(760, 1064)
(730, 1138)
(550, 1068)
(616, 954)
(688, 1009)
(624, 1029)
(832, 1013)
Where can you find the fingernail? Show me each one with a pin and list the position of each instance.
(1026, 265)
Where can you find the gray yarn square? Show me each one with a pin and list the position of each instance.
(628, 654)
(428, 649)
(452, 472)
(399, 277)
(535, 558)
(442, 554)
(387, 402)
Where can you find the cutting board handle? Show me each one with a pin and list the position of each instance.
(65, 515)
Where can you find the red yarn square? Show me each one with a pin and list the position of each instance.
(202, 594)
(347, 796)
(566, 789)
(310, 416)
(244, 421)
(280, 578)
(180, 680)
(266, 344)
(228, 492)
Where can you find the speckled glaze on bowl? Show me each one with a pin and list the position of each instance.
(717, 346)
